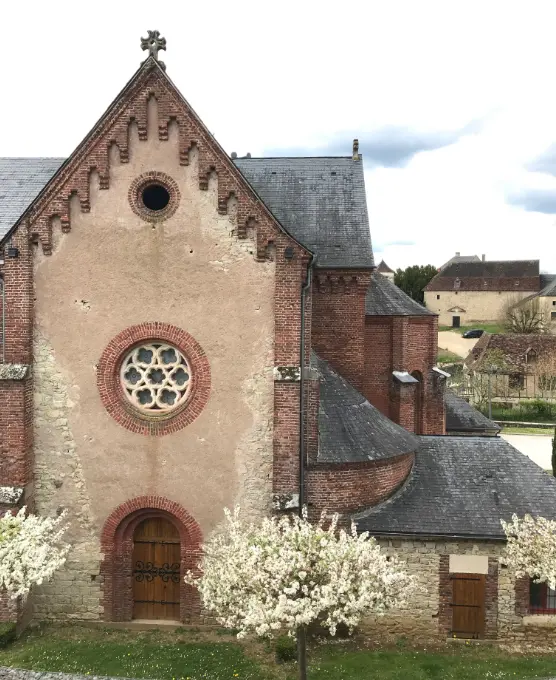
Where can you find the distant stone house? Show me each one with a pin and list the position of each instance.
(547, 299)
(466, 292)
(518, 366)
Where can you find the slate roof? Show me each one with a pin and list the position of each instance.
(351, 430)
(488, 275)
(384, 298)
(21, 180)
(548, 285)
(383, 268)
(461, 258)
(516, 348)
(463, 486)
(462, 417)
(320, 201)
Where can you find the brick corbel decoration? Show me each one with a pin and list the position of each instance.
(111, 392)
(117, 547)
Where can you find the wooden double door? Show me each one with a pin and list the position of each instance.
(468, 605)
(156, 570)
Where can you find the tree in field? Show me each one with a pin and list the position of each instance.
(31, 550)
(524, 316)
(284, 574)
(413, 280)
(554, 454)
(487, 379)
(531, 548)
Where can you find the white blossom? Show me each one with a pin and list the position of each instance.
(31, 550)
(531, 548)
(285, 573)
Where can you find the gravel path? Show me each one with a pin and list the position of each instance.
(454, 342)
(20, 674)
(536, 446)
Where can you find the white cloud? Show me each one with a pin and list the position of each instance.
(297, 73)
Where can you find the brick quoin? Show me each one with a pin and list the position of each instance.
(117, 547)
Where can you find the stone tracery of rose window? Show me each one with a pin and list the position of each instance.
(156, 377)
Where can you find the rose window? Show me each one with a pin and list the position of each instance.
(156, 377)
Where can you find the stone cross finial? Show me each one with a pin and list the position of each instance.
(153, 42)
(355, 154)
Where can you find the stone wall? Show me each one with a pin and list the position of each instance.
(427, 616)
(75, 591)
(476, 306)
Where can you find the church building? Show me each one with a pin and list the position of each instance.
(183, 330)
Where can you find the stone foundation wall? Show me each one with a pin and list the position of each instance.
(75, 591)
(428, 615)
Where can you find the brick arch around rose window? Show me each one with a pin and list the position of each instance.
(117, 549)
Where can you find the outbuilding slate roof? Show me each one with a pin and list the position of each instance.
(463, 486)
(548, 285)
(504, 275)
(384, 298)
(21, 181)
(320, 201)
(462, 417)
(351, 430)
(383, 268)
(517, 349)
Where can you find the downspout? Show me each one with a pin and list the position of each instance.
(304, 290)
(3, 331)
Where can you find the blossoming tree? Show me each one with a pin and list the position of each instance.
(531, 548)
(286, 573)
(31, 550)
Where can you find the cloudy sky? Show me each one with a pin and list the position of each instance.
(454, 103)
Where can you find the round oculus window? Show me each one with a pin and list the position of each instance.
(156, 378)
(155, 197)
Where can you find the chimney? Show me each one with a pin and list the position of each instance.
(248, 155)
(234, 155)
(483, 258)
(355, 154)
(458, 254)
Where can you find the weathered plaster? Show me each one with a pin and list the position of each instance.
(114, 270)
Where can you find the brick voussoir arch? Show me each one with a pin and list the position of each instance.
(117, 549)
(111, 392)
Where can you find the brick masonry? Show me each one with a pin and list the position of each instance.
(349, 487)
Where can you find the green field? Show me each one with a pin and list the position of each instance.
(487, 327)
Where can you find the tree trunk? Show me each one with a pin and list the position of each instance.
(302, 653)
(554, 454)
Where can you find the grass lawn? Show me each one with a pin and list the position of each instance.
(487, 327)
(545, 431)
(446, 357)
(201, 655)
